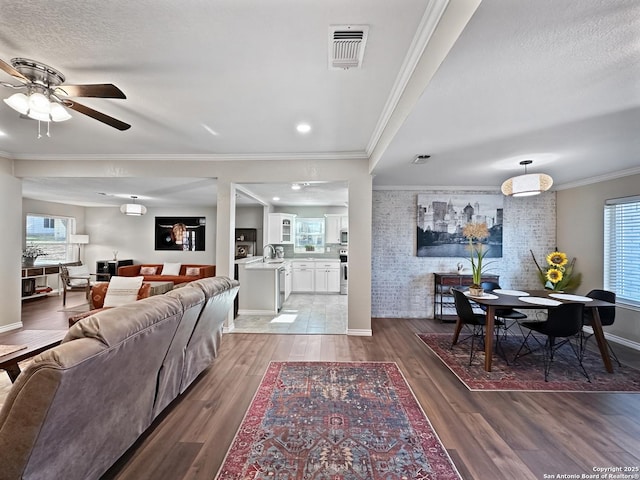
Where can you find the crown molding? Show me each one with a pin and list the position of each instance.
(428, 25)
(446, 188)
(598, 179)
(199, 157)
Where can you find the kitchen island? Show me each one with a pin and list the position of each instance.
(262, 284)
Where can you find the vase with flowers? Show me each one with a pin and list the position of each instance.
(30, 253)
(475, 233)
(558, 274)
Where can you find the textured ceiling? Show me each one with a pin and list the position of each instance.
(553, 81)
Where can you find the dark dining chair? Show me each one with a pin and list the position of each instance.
(508, 315)
(563, 322)
(475, 322)
(607, 317)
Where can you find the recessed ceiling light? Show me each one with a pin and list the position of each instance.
(295, 186)
(303, 128)
(420, 159)
(275, 199)
(210, 130)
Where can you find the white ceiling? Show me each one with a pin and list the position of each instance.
(555, 81)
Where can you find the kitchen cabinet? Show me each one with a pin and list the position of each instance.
(260, 285)
(303, 276)
(286, 283)
(333, 224)
(316, 276)
(327, 277)
(280, 229)
(444, 308)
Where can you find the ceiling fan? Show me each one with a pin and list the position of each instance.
(47, 95)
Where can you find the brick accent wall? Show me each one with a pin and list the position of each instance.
(402, 283)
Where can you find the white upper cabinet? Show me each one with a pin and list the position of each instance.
(333, 224)
(281, 228)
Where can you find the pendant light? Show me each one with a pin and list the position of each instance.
(133, 208)
(528, 184)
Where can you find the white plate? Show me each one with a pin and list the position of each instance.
(540, 301)
(515, 293)
(568, 296)
(486, 296)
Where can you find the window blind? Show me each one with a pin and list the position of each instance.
(622, 248)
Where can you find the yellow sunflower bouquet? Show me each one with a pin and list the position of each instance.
(559, 273)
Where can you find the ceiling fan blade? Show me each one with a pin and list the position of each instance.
(101, 117)
(13, 72)
(102, 90)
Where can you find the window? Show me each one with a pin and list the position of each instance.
(622, 249)
(309, 235)
(52, 235)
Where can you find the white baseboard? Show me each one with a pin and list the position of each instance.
(257, 312)
(359, 332)
(614, 338)
(11, 326)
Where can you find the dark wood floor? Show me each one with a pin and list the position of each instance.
(489, 435)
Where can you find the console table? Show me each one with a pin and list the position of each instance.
(444, 308)
(105, 269)
(35, 281)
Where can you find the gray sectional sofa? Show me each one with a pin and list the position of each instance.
(78, 407)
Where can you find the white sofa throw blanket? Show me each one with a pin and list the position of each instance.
(122, 290)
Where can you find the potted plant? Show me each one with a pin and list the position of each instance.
(558, 275)
(30, 253)
(475, 233)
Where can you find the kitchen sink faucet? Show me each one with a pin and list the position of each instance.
(267, 256)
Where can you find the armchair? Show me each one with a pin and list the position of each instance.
(75, 278)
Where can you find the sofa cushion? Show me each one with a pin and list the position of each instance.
(171, 268)
(144, 270)
(122, 290)
(192, 271)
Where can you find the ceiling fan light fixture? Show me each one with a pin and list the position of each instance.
(41, 116)
(59, 113)
(528, 184)
(38, 102)
(19, 102)
(135, 209)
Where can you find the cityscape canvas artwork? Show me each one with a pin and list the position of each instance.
(441, 219)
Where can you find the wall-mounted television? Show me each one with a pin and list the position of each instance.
(180, 233)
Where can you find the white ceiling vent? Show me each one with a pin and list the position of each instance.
(346, 46)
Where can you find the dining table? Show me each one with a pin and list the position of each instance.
(534, 299)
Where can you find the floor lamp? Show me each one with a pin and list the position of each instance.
(79, 240)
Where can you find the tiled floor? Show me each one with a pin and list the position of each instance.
(301, 314)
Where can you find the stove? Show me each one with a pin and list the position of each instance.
(344, 280)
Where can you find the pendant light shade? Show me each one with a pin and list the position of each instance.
(528, 184)
(135, 209)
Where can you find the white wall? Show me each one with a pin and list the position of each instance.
(11, 247)
(134, 237)
(581, 234)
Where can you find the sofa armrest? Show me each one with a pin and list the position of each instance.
(129, 270)
(208, 271)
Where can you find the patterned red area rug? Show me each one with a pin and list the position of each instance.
(335, 421)
(527, 373)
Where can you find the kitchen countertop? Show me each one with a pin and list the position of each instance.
(256, 263)
(265, 266)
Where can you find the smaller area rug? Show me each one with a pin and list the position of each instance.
(82, 308)
(527, 374)
(335, 421)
